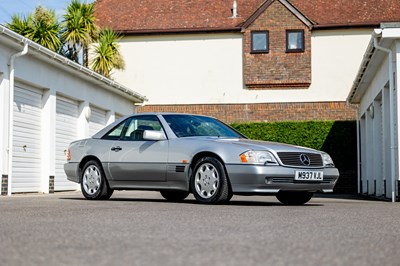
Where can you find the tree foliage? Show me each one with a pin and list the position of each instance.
(73, 36)
(79, 28)
(106, 55)
(41, 27)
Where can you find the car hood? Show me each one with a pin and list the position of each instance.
(249, 144)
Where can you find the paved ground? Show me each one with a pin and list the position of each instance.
(139, 228)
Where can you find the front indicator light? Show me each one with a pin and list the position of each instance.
(68, 155)
(258, 157)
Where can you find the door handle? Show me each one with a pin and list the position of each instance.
(116, 149)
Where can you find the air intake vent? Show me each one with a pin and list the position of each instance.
(180, 168)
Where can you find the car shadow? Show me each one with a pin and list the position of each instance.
(194, 202)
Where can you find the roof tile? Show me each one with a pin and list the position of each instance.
(137, 16)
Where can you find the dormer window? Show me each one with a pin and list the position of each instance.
(294, 41)
(259, 42)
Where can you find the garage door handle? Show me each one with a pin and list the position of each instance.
(117, 149)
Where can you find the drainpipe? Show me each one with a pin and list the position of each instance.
(358, 153)
(377, 33)
(11, 114)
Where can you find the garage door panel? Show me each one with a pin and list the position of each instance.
(25, 102)
(66, 132)
(97, 121)
(26, 172)
(28, 118)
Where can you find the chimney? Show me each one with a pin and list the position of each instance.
(234, 9)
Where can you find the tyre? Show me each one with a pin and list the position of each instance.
(174, 196)
(94, 184)
(209, 182)
(294, 197)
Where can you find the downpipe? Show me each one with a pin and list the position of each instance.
(11, 113)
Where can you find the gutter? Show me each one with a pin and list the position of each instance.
(11, 113)
(144, 32)
(333, 26)
(376, 34)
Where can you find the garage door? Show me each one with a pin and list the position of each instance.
(26, 171)
(97, 120)
(66, 131)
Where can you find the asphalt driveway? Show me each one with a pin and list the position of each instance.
(140, 228)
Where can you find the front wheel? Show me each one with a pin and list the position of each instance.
(294, 197)
(209, 181)
(93, 182)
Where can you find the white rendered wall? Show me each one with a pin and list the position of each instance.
(208, 68)
(40, 72)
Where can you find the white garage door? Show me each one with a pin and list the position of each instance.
(97, 120)
(26, 171)
(66, 131)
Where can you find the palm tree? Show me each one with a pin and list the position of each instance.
(106, 55)
(20, 24)
(79, 28)
(75, 34)
(41, 27)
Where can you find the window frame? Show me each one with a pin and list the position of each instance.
(266, 51)
(296, 50)
(127, 122)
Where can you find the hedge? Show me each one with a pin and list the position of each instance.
(338, 138)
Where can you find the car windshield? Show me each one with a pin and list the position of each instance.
(192, 125)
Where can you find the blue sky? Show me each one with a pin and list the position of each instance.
(10, 7)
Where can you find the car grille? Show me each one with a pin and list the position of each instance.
(293, 159)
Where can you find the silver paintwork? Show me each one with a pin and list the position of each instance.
(163, 161)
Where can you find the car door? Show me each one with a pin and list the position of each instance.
(131, 158)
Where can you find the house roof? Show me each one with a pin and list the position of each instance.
(329, 13)
(147, 16)
(135, 16)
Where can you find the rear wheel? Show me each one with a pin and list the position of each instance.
(93, 182)
(209, 182)
(294, 197)
(174, 196)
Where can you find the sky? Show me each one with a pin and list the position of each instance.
(23, 7)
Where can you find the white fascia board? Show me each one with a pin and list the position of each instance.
(393, 33)
(359, 84)
(370, 62)
(56, 59)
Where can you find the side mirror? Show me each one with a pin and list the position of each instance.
(154, 135)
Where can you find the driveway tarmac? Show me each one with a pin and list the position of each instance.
(140, 228)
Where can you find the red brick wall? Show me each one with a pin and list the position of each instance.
(277, 68)
(262, 112)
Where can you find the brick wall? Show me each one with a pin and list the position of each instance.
(277, 69)
(230, 113)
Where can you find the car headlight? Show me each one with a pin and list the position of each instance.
(258, 157)
(327, 160)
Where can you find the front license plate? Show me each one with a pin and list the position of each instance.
(309, 175)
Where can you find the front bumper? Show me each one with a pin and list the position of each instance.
(71, 170)
(260, 179)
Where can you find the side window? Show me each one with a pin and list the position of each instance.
(138, 125)
(259, 42)
(294, 41)
(115, 133)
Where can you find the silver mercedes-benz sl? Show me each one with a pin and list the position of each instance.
(178, 154)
